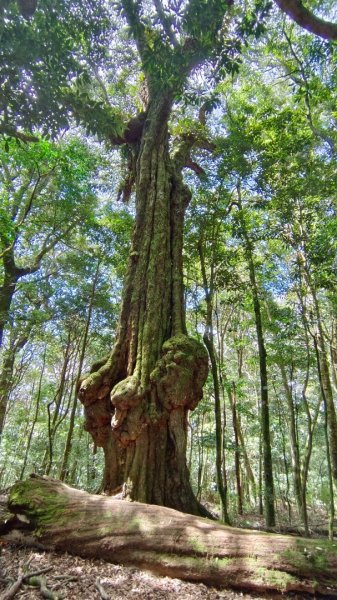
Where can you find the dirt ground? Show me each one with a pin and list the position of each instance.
(81, 579)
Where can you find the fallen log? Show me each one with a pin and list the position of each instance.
(54, 516)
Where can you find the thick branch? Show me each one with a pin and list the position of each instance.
(132, 13)
(46, 247)
(183, 149)
(165, 21)
(197, 169)
(19, 135)
(306, 19)
(22, 578)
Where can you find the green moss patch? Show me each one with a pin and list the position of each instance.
(277, 579)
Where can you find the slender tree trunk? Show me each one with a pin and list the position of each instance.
(67, 449)
(241, 440)
(326, 391)
(328, 449)
(6, 375)
(72, 475)
(311, 421)
(220, 458)
(317, 335)
(36, 412)
(265, 427)
(136, 402)
(326, 387)
(269, 501)
(201, 455)
(333, 353)
(307, 456)
(54, 421)
(237, 451)
(260, 476)
(295, 454)
(282, 423)
(209, 343)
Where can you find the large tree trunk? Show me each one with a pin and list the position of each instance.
(7, 290)
(136, 402)
(56, 516)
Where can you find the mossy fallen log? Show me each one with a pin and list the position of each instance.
(52, 515)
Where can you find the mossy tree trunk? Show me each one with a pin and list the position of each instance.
(136, 402)
(53, 515)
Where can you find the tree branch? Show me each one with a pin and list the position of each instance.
(306, 19)
(165, 21)
(11, 592)
(304, 82)
(19, 135)
(198, 170)
(132, 14)
(22, 271)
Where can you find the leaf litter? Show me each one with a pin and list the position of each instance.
(74, 578)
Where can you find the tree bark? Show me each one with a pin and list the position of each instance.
(55, 516)
(306, 19)
(136, 402)
(7, 290)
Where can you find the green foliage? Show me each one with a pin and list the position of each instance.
(41, 55)
(97, 117)
(48, 189)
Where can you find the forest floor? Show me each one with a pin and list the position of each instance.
(83, 579)
(75, 578)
